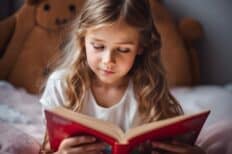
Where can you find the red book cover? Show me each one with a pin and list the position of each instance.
(63, 123)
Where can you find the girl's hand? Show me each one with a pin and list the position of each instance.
(177, 148)
(81, 145)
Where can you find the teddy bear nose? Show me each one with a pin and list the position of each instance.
(60, 21)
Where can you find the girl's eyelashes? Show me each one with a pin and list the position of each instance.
(123, 50)
(97, 46)
(101, 47)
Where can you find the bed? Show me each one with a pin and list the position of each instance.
(20, 117)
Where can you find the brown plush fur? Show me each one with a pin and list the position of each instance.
(192, 32)
(16, 28)
(176, 56)
(40, 28)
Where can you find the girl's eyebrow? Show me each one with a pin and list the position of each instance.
(121, 42)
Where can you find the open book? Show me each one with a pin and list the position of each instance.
(62, 123)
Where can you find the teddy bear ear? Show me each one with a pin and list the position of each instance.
(33, 2)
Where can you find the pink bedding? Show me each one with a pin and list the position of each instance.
(22, 112)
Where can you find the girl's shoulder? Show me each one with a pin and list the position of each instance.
(54, 92)
(57, 80)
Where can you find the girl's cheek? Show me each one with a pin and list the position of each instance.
(94, 59)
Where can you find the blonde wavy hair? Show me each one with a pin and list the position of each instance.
(147, 73)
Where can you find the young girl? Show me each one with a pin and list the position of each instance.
(112, 71)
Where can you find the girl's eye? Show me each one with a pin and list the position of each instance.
(97, 47)
(123, 50)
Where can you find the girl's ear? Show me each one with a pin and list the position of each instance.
(33, 2)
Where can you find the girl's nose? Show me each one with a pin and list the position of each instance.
(108, 57)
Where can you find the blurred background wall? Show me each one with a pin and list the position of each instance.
(8, 7)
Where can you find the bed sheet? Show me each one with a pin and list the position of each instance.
(216, 136)
(23, 111)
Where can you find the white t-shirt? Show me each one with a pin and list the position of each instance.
(124, 113)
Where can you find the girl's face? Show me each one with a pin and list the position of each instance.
(111, 50)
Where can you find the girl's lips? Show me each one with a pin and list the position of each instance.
(108, 71)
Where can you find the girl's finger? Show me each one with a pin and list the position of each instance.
(94, 152)
(175, 142)
(90, 152)
(89, 148)
(75, 141)
(169, 147)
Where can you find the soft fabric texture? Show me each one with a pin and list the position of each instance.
(215, 137)
(15, 141)
(32, 38)
(216, 98)
(10, 115)
(124, 113)
(21, 110)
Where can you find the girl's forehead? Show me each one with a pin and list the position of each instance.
(116, 30)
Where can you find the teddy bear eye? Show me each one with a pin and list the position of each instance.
(72, 8)
(47, 7)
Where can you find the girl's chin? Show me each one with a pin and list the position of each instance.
(108, 80)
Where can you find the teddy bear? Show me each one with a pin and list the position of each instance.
(179, 45)
(36, 38)
(32, 38)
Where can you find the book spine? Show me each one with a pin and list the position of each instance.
(120, 149)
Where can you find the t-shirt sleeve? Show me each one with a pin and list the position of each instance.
(54, 92)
